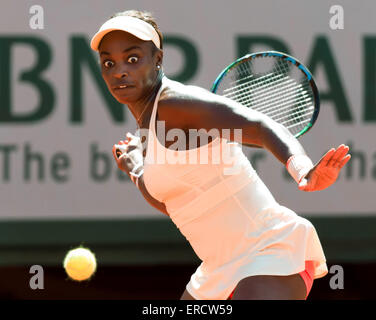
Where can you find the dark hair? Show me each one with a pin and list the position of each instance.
(145, 16)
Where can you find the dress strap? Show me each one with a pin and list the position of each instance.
(155, 107)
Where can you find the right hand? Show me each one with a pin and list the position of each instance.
(128, 154)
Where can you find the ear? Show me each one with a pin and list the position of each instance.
(158, 58)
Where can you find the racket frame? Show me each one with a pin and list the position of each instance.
(292, 61)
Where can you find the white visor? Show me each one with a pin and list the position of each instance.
(135, 26)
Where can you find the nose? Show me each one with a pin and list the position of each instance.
(121, 72)
(121, 75)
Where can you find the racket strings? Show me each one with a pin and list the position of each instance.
(299, 96)
(253, 84)
(280, 103)
(270, 80)
(233, 83)
(275, 93)
(267, 96)
(301, 110)
(291, 115)
(300, 124)
(283, 109)
(257, 88)
(244, 72)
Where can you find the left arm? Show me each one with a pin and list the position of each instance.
(204, 110)
(201, 109)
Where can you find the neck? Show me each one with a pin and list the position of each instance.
(142, 108)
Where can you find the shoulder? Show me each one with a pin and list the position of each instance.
(181, 94)
(191, 107)
(181, 102)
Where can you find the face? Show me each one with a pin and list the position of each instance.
(128, 65)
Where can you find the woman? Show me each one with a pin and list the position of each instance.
(250, 246)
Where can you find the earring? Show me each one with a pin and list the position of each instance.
(158, 66)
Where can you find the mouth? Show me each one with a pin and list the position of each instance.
(122, 86)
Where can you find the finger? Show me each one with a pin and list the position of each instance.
(340, 153)
(117, 153)
(326, 158)
(341, 156)
(344, 161)
(114, 151)
(121, 148)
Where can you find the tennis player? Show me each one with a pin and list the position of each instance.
(251, 247)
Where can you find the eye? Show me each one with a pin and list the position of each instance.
(108, 63)
(133, 59)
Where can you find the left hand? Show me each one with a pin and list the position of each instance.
(326, 171)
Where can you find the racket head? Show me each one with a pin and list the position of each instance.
(264, 71)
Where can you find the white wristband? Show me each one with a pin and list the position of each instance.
(298, 166)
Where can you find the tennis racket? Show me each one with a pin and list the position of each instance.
(274, 84)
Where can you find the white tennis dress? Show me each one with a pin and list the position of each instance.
(228, 215)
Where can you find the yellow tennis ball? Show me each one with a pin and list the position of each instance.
(80, 264)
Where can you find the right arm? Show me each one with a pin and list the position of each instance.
(128, 157)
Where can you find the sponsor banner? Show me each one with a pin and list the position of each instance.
(58, 122)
